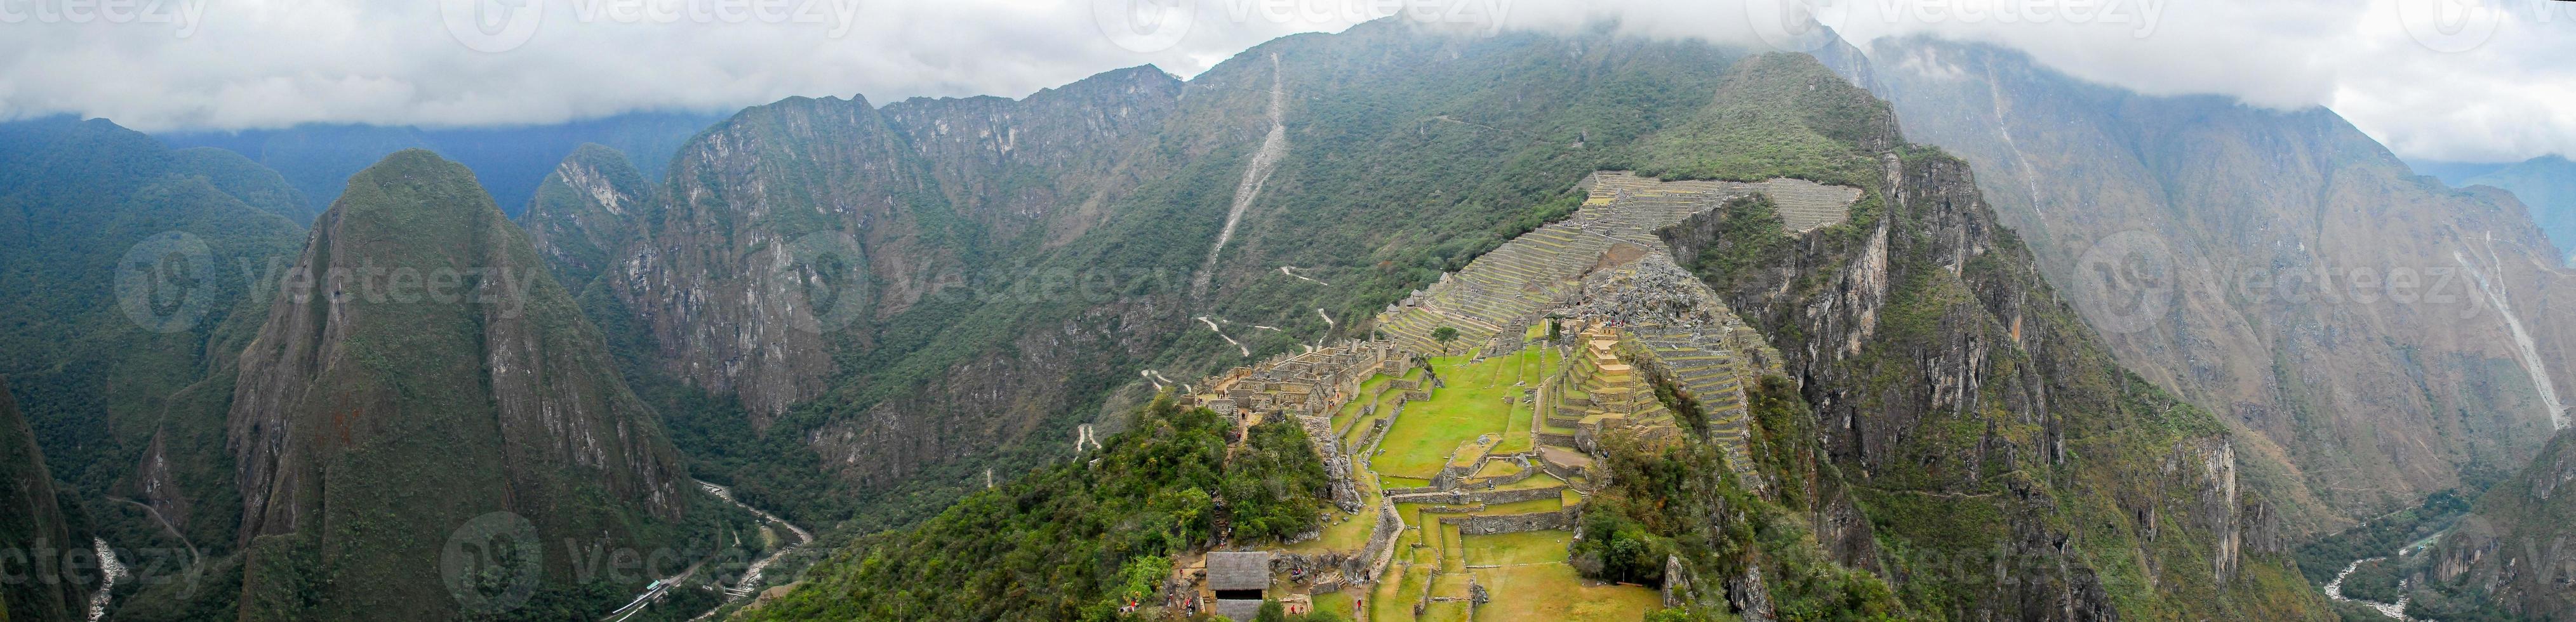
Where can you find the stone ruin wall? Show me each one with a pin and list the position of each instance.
(1491, 524)
(1382, 538)
(1464, 497)
(1309, 387)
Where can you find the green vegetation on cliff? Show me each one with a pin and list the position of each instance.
(34, 532)
(434, 389)
(1077, 540)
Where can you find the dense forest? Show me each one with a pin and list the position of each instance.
(1078, 540)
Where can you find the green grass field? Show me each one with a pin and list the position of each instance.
(1533, 581)
(1536, 480)
(1551, 592)
(1471, 405)
(1528, 547)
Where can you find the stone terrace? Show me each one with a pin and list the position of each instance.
(1632, 321)
(1509, 287)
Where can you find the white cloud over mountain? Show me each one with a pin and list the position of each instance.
(2439, 79)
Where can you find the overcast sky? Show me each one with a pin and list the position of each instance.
(2482, 86)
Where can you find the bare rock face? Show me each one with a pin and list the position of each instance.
(2380, 331)
(2515, 553)
(587, 210)
(421, 370)
(794, 221)
(1948, 377)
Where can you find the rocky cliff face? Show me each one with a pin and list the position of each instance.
(2378, 330)
(2511, 556)
(587, 212)
(32, 526)
(418, 371)
(792, 221)
(1984, 426)
(942, 279)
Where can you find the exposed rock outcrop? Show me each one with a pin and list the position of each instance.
(2515, 553)
(2278, 268)
(419, 371)
(1945, 372)
(796, 220)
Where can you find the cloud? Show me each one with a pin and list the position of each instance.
(2477, 83)
(271, 63)
(2481, 89)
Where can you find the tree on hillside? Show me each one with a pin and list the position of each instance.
(1444, 335)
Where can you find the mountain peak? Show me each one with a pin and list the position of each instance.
(423, 366)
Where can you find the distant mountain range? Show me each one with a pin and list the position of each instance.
(509, 160)
(2128, 350)
(2547, 186)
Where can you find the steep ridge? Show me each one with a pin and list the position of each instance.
(2509, 559)
(1976, 423)
(42, 588)
(2278, 268)
(780, 200)
(964, 340)
(128, 272)
(587, 209)
(426, 374)
(1972, 451)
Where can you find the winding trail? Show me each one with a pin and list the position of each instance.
(1273, 145)
(1220, 334)
(194, 557)
(1291, 271)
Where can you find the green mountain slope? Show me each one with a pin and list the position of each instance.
(586, 209)
(42, 586)
(431, 376)
(1076, 540)
(126, 272)
(1972, 451)
(2508, 560)
(1980, 428)
(2381, 332)
(971, 300)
